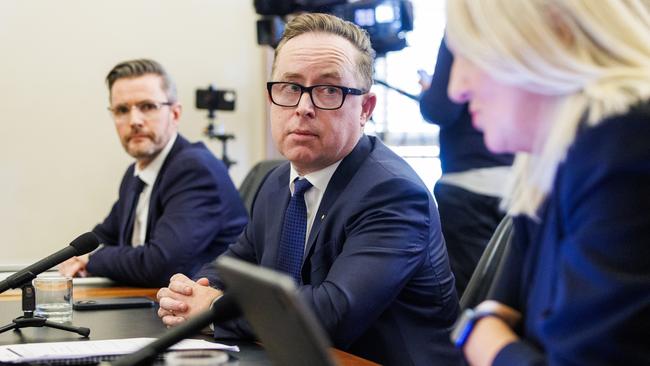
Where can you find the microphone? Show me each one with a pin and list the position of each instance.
(84, 243)
(226, 308)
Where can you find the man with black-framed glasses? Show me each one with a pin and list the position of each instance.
(346, 218)
(177, 207)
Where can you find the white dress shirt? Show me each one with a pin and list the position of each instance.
(148, 175)
(319, 181)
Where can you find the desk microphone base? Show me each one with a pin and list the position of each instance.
(29, 320)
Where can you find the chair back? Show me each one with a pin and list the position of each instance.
(253, 180)
(480, 283)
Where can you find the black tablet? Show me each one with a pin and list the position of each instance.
(288, 329)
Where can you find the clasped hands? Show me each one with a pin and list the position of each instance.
(184, 298)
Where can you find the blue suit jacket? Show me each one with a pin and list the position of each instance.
(581, 276)
(195, 212)
(375, 271)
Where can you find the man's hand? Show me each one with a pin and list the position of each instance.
(75, 266)
(184, 298)
(424, 81)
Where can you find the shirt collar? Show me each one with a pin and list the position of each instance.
(150, 172)
(319, 179)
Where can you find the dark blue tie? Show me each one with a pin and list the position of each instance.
(136, 188)
(292, 240)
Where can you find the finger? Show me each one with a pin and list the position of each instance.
(62, 270)
(203, 281)
(180, 277)
(169, 304)
(163, 292)
(163, 313)
(71, 269)
(168, 292)
(182, 287)
(172, 321)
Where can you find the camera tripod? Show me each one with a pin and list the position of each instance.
(30, 320)
(219, 135)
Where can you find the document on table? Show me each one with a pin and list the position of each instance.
(31, 352)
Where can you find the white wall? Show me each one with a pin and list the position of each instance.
(60, 158)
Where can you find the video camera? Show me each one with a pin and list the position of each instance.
(214, 99)
(386, 21)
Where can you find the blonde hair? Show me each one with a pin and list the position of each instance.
(594, 55)
(325, 23)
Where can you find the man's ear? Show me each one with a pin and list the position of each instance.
(177, 111)
(367, 107)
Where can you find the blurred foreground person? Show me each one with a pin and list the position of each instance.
(564, 83)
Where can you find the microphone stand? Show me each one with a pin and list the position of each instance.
(30, 320)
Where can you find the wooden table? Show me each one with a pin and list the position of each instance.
(138, 323)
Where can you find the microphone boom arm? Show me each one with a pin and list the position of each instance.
(225, 308)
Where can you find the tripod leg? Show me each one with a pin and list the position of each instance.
(8, 327)
(80, 330)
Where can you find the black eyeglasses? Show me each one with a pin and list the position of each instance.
(146, 107)
(328, 97)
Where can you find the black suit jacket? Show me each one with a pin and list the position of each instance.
(195, 212)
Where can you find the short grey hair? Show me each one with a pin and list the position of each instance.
(140, 67)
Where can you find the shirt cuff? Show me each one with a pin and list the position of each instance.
(211, 305)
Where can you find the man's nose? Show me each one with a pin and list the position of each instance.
(305, 104)
(135, 116)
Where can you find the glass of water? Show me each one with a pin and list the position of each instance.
(54, 298)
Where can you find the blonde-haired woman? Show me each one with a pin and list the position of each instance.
(566, 85)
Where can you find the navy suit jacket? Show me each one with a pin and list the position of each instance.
(195, 212)
(581, 275)
(375, 271)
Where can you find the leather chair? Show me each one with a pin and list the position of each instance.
(253, 180)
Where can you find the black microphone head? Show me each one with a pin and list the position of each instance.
(85, 243)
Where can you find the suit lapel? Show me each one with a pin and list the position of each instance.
(274, 215)
(129, 196)
(342, 176)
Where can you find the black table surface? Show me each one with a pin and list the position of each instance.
(113, 324)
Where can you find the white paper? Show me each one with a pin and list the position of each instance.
(29, 352)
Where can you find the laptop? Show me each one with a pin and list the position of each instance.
(289, 331)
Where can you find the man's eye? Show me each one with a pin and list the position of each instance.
(147, 107)
(328, 91)
(121, 110)
(292, 88)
